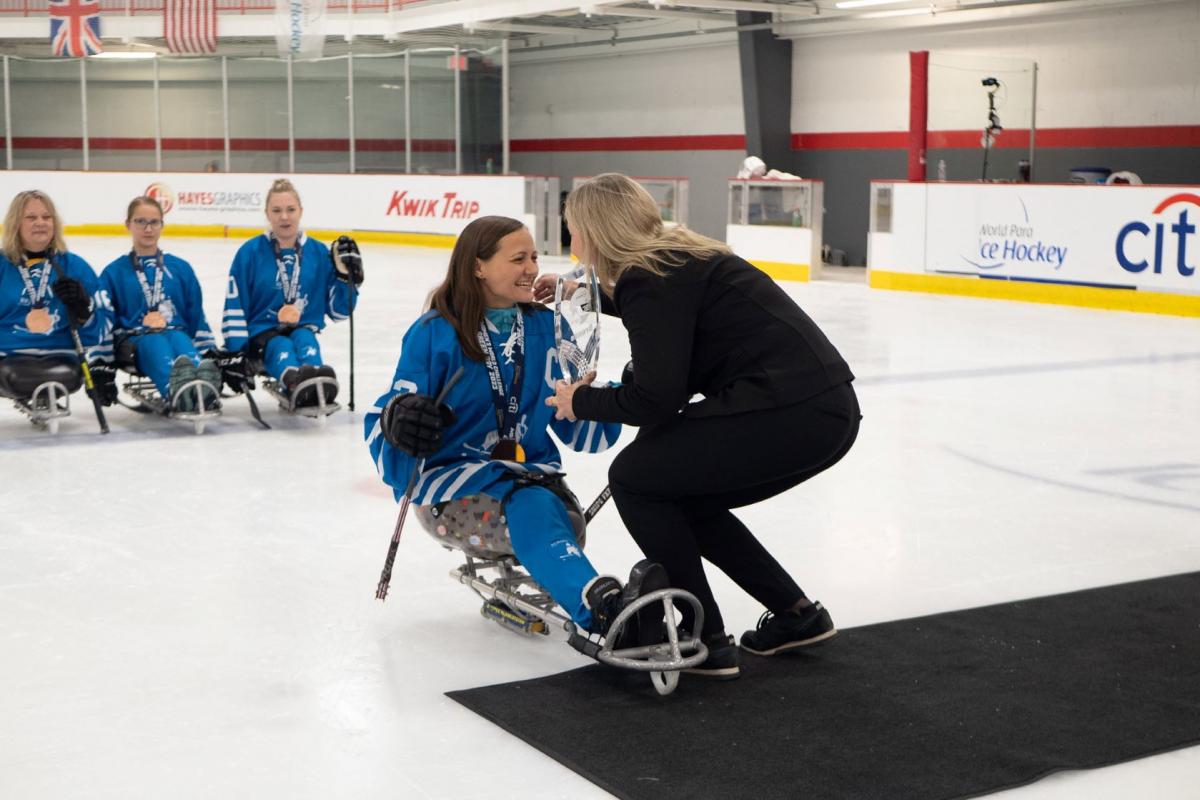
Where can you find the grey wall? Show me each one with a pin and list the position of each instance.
(708, 171)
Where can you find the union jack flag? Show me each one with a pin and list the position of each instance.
(75, 28)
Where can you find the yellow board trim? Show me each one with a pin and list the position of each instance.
(225, 232)
(1181, 305)
(782, 270)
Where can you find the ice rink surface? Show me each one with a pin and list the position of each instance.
(189, 616)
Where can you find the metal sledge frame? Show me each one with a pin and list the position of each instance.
(533, 611)
(287, 400)
(43, 408)
(146, 393)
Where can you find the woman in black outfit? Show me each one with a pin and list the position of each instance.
(776, 407)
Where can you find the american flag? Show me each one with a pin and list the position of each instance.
(190, 26)
(75, 28)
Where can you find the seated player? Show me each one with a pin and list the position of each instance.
(282, 285)
(489, 439)
(43, 291)
(158, 314)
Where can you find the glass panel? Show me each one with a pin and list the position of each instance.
(881, 208)
(258, 115)
(120, 97)
(47, 125)
(379, 114)
(322, 122)
(193, 125)
(7, 62)
(779, 204)
(433, 110)
(481, 122)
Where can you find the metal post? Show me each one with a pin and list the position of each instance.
(291, 119)
(407, 113)
(504, 90)
(157, 121)
(83, 111)
(350, 105)
(8, 145)
(457, 114)
(225, 106)
(1033, 123)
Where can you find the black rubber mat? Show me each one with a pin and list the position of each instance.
(945, 706)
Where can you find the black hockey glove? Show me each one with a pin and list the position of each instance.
(104, 379)
(233, 369)
(347, 261)
(74, 297)
(413, 423)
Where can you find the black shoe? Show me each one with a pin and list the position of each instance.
(723, 659)
(330, 389)
(606, 599)
(777, 633)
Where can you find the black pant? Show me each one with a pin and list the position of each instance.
(674, 486)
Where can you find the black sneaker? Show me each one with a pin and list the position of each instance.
(777, 633)
(602, 596)
(723, 659)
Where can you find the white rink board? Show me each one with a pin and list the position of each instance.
(1121, 236)
(439, 204)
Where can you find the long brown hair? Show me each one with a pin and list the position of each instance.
(621, 227)
(460, 297)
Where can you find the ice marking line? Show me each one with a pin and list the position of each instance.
(1021, 369)
(1067, 484)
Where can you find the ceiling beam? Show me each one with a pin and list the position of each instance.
(740, 5)
(662, 13)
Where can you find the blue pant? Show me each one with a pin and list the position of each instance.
(291, 350)
(544, 541)
(156, 352)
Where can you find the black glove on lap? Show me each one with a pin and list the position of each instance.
(74, 297)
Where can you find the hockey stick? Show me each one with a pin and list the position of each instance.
(385, 577)
(90, 387)
(353, 297)
(597, 504)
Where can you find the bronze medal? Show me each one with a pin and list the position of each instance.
(38, 321)
(154, 320)
(289, 314)
(508, 450)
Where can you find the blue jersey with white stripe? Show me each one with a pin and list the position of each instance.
(254, 293)
(431, 354)
(181, 304)
(15, 304)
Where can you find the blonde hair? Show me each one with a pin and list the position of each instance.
(12, 245)
(143, 200)
(279, 186)
(621, 228)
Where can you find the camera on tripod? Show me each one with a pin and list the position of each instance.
(991, 83)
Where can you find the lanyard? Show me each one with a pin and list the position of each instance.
(37, 298)
(153, 296)
(514, 351)
(291, 286)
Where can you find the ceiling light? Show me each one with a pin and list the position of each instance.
(865, 3)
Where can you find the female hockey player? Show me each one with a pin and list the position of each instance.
(490, 436)
(43, 288)
(282, 285)
(158, 314)
(777, 407)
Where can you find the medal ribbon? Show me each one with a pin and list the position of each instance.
(37, 298)
(507, 403)
(153, 296)
(291, 286)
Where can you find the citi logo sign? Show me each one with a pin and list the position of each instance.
(163, 194)
(1141, 247)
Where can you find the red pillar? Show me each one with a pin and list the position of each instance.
(918, 112)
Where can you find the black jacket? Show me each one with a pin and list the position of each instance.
(720, 328)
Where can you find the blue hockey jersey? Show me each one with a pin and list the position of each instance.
(16, 303)
(181, 301)
(255, 291)
(430, 354)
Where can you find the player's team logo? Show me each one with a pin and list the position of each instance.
(163, 194)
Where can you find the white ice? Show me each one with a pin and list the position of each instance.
(189, 616)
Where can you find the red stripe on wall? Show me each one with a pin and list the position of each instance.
(1147, 136)
(626, 143)
(237, 145)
